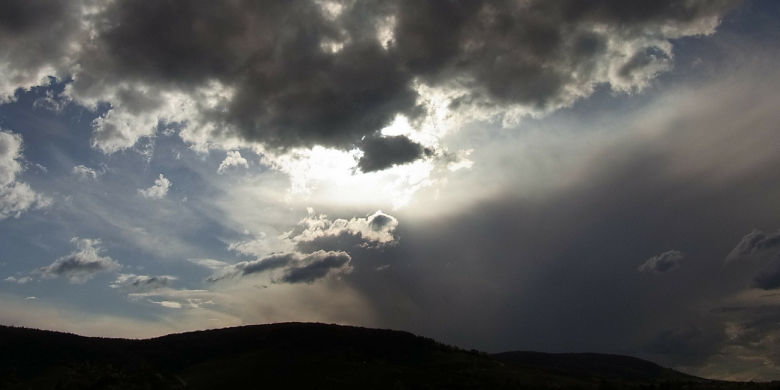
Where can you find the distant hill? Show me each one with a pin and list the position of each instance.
(307, 355)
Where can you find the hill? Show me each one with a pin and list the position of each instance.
(297, 355)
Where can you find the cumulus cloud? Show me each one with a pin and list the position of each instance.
(233, 159)
(376, 229)
(142, 282)
(82, 264)
(662, 263)
(158, 190)
(295, 267)
(299, 74)
(85, 173)
(15, 197)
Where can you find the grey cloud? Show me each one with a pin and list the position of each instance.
(688, 346)
(267, 264)
(384, 152)
(135, 282)
(296, 267)
(768, 279)
(294, 74)
(254, 266)
(36, 37)
(317, 266)
(381, 222)
(82, 264)
(662, 263)
(755, 243)
(497, 267)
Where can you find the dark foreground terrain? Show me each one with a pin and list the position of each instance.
(317, 356)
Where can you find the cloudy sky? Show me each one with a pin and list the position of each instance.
(514, 174)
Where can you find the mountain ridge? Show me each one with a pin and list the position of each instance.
(308, 354)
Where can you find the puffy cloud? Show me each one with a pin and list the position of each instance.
(15, 197)
(85, 173)
(142, 282)
(383, 152)
(295, 267)
(375, 230)
(298, 74)
(233, 159)
(158, 190)
(662, 263)
(82, 264)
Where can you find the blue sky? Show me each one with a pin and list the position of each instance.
(562, 178)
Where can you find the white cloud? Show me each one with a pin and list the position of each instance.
(85, 173)
(15, 197)
(19, 280)
(377, 228)
(167, 304)
(233, 159)
(209, 263)
(158, 190)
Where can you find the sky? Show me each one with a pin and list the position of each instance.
(558, 176)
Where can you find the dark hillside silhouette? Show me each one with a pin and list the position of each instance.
(307, 355)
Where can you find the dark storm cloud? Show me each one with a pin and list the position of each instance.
(384, 152)
(765, 248)
(769, 278)
(255, 266)
(530, 52)
(303, 73)
(755, 243)
(296, 267)
(19, 16)
(688, 346)
(558, 271)
(316, 266)
(663, 262)
(36, 38)
(289, 89)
